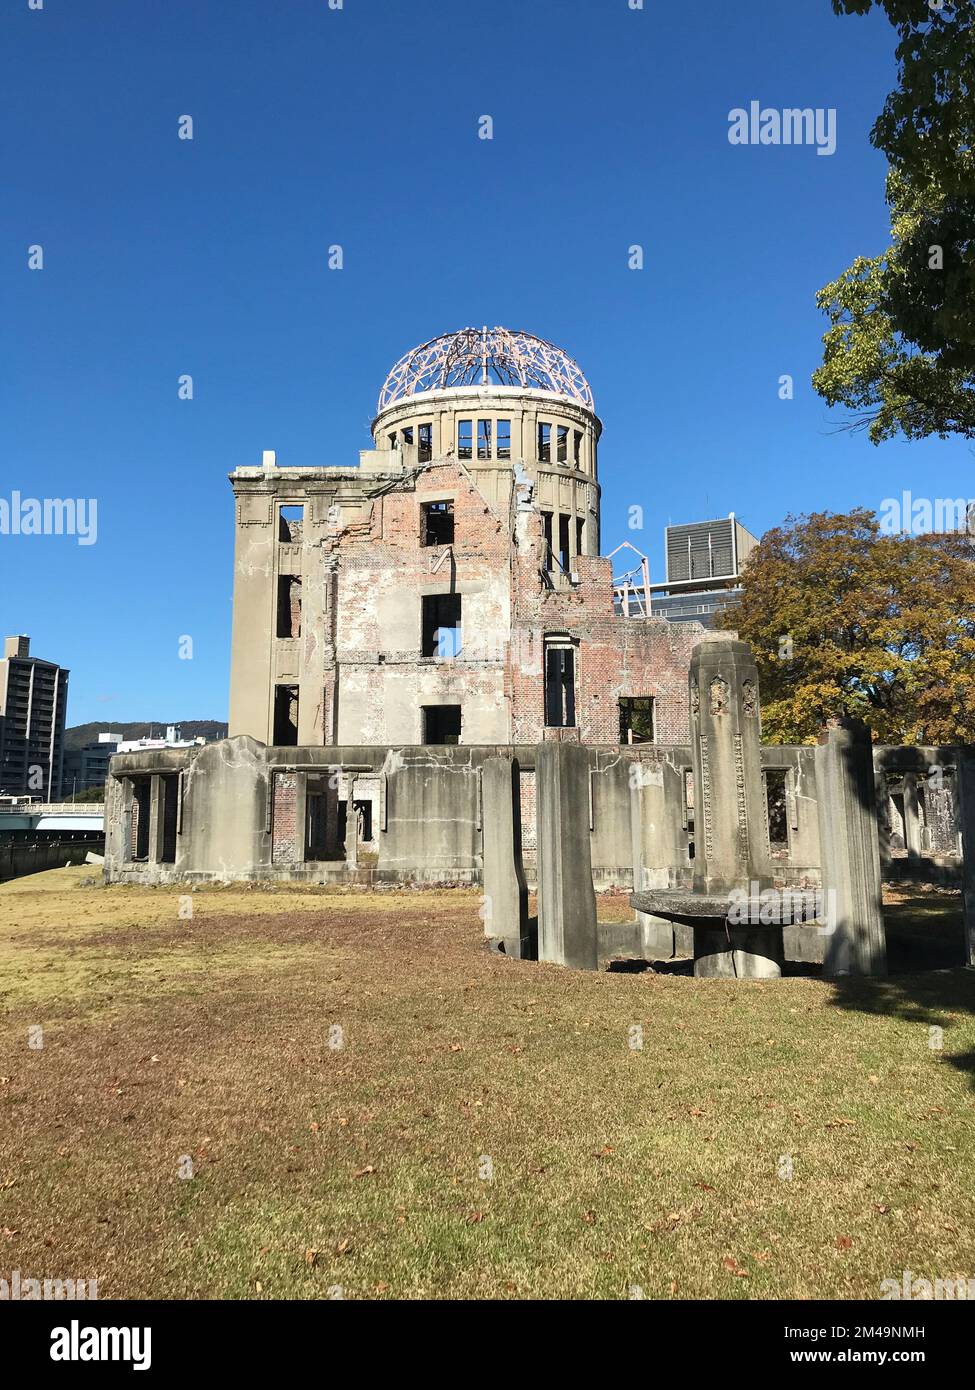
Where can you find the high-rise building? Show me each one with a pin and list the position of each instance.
(86, 768)
(33, 701)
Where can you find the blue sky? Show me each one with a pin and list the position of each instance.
(358, 126)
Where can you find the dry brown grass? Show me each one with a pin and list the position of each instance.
(359, 1167)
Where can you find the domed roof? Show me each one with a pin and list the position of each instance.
(484, 357)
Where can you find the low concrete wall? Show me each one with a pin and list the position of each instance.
(241, 812)
(21, 857)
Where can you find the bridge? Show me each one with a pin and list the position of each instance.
(58, 816)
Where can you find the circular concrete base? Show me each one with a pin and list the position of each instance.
(751, 954)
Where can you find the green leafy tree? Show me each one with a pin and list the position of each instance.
(900, 352)
(91, 795)
(844, 619)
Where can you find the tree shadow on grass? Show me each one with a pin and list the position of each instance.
(928, 982)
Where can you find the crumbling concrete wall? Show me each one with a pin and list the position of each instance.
(920, 813)
(243, 812)
(359, 552)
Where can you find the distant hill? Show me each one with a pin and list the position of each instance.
(80, 734)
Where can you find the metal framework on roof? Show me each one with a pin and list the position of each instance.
(485, 357)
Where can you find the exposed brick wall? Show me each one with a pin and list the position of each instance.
(284, 837)
(371, 629)
(616, 656)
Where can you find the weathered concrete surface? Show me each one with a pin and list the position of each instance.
(566, 900)
(966, 778)
(660, 839)
(505, 899)
(851, 851)
(738, 953)
(730, 839)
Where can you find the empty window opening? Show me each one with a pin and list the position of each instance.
(285, 716)
(777, 807)
(425, 437)
(545, 443)
(363, 815)
(323, 835)
(484, 439)
(464, 438)
(564, 541)
(316, 826)
(408, 435)
(636, 719)
(895, 812)
(438, 523)
(577, 446)
(441, 625)
(392, 440)
(289, 605)
(580, 524)
(560, 685)
(562, 443)
(141, 804)
(169, 794)
(291, 523)
(441, 723)
(504, 439)
(547, 523)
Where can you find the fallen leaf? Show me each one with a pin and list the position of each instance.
(311, 1257)
(363, 1171)
(844, 1243)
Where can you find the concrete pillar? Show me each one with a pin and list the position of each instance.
(351, 825)
(849, 840)
(566, 900)
(655, 794)
(506, 923)
(301, 817)
(126, 798)
(882, 794)
(156, 819)
(912, 817)
(966, 788)
(730, 842)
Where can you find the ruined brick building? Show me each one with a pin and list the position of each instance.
(449, 589)
(396, 622)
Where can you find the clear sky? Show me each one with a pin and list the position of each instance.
(359, 127)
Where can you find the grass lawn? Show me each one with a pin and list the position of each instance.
(364, 1166)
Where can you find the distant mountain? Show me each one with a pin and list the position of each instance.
(80, 734)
